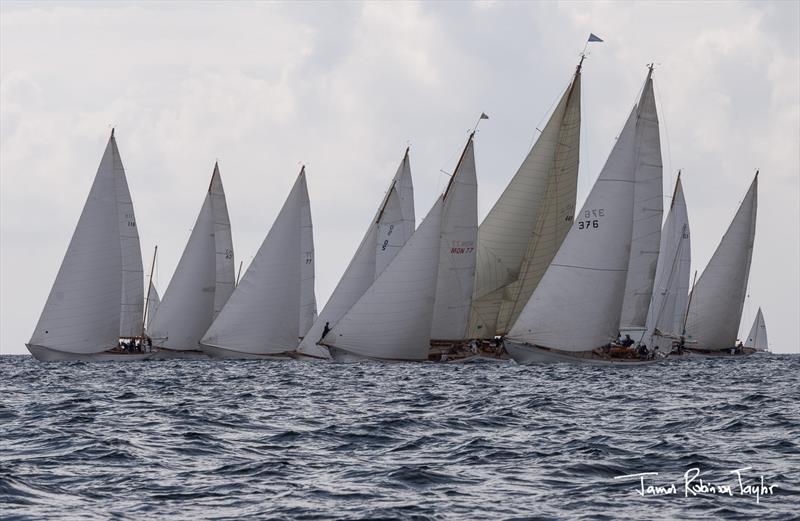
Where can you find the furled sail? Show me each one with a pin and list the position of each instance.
(189, 304)
(262, 315)
(388, 232)
(757, 339)
(459, 234)
(576, 306)
(665, 318)
(392, 319)
(523, 231)
(647, 214)
(83, 313)
(718, 297)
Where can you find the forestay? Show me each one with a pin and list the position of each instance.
(576, 306)
(524, 229)
(718, 297)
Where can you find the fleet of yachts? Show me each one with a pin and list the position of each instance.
(608, 284)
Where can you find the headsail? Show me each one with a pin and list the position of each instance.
(665, 317)
(576, 306)
(523, 231)
(206, 266)
(757, 339)
(647, 214)
(81, 317)
(718, 297)
(392, 319)
(262, 314)
(387, 233)
(459, 234)
(153, 301)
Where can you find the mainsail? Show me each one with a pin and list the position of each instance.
(387, 233)
(392, 319)
(647, 214)
(523, 231)
(308, 299)
(667, 312)
(718, 297)
(459, 233)
(91, 302)
(576, 306)
(206, 266)
(757, 339)
(262, 315)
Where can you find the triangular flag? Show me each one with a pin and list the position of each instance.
(594, 38)
(484, 116)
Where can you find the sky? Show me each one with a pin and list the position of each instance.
(344, 87)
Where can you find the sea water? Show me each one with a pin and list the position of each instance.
(271, 439)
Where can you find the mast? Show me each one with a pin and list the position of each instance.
(239, 273)
(689, 304)
(460, 159)
(149, 286)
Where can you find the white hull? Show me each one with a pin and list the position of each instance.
(526, 354)
(343, 356)
(177, 354)
(45, 354)
(220, 353)
(720, 354)
(308, 358)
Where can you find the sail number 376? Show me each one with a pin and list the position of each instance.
(590, 219)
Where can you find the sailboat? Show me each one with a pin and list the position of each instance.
(757, 339)
(573, 315)
(718, 297)
(387, 233)
(525, 228)
(666, 317)
(395, 318)
(97, 298)
(202, 283)
(273, 306)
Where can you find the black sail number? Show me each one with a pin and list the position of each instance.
(590, 219)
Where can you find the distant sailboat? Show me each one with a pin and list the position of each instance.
(274, 304)
(388, 232)
(98, 295)
(757, 339)
(666, 316)
(394, 319)
(202, 282)
(718, 297)
(575, 310)
(524, 229)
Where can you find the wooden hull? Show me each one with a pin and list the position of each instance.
(45, 354)
(220, 353)
(527, 354)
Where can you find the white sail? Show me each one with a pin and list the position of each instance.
(718, 297)
(757, 339)
(205, 269)
(132, 302)
(392, 319)
(523, 231)
(223, 241)
(667, 312)
(388, 231)
(308, 299)
(82, 312)
(576, 306)
(647, 214)
(261, 316)
(459, 234)
(153, 301)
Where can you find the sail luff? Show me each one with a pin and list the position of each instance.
(718, 297)
(223, 243)
(538, 204)
(308, 299)
(647, 213)
(82, 311)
